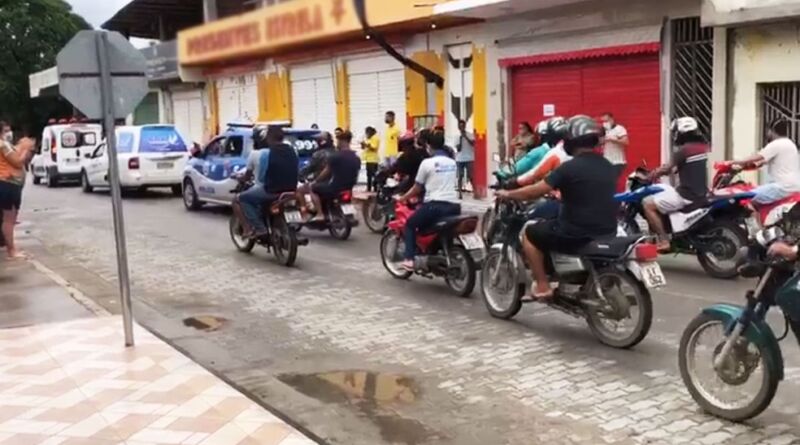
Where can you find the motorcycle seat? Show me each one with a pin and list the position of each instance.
(608, 247)
(452, 222)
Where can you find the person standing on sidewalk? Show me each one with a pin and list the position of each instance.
(13, 160)
(391, 144)
(371, 144)
(616, 143)
(465, 157)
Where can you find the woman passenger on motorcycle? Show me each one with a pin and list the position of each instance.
(690, 162)
(548, 136)
(437, 178)
(587, 184)
(410, 159)
(552, 158)
(320, 157)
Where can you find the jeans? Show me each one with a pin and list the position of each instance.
(769, 193)
(465, 171)
(253, 201)
(372, 170)
(425, 216)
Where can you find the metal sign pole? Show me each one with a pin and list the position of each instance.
(106, 93)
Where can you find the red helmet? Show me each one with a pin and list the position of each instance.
(406, 140)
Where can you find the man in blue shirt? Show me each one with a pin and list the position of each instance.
(273, 165)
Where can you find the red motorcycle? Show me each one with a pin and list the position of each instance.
(450, 248)
(727, 182)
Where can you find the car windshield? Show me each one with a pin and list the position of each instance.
(161, 140)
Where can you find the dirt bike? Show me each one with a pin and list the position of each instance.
(729, 357)
(281, 238)
(607, 282)
(450, 249)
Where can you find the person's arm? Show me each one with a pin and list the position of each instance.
(527, 193)
(421, 179)
(541, 171)
(621, 139)
(373, 144)
(19, 157)
(326, 173)
(784, 250)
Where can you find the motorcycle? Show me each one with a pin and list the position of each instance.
(449, 249)
(729, 357)
(378, 209)
(714, 230)
(607, 282)
(340, 216)
(279, 218)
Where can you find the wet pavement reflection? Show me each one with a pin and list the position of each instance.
(375, 396)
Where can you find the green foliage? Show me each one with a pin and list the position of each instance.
(32, 32)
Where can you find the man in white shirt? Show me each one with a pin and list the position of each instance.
(783, 165)
(437, 177)
(616, 143)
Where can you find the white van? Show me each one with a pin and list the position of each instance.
(149, 156)
(57, 159)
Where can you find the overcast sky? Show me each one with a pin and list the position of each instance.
(96, 12)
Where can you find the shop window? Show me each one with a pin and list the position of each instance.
(781, 101)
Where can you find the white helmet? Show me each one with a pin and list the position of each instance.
(684, 125)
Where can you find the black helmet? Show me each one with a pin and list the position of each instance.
(581, 132)
(260, 136)
(556, 129)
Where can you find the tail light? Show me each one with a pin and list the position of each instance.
(133, 164)
(646, 252)
(346, 196)
(53, 148)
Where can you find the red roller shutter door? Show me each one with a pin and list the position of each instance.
(627, 86)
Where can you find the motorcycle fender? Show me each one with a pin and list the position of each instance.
(759, 333)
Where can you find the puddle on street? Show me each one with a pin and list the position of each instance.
(205, 323)
(372, 395)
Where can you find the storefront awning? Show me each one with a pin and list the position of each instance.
(485, 9)
(741, 12)
(567, 56)
(300, 24)
(156, 19)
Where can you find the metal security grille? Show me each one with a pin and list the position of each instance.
(693, 71)
(781, 101)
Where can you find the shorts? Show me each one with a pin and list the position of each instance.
(669, 200)
(465, 170)
(769, 193)
(326, 191)
(10, 196)
(549, 237)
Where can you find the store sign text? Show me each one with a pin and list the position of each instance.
(280, 28)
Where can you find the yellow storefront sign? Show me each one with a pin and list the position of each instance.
(270, 29)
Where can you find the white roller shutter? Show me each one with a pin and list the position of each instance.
(187, 108)
(249, 99)
(377, 85)
(313, 96)
(229, 104)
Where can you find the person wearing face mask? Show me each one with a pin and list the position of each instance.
(616, 143)
(13, 159)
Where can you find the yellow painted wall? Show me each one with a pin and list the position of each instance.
(278, 106)
(480, 91)
(416, 99)
(263, 97)
(212, 121)
(342, 97)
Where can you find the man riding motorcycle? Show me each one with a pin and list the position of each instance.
(273, 165)
(339, 175)
(319, 159)
(437, 177)
(587, 184)
(783, 165)
(690, 162)
(411, 157)
(548, 132)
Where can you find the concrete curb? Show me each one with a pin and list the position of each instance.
(76, 294)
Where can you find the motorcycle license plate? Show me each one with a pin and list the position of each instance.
(471, 241)
(348, 209)
(652, 275)
(293, 216)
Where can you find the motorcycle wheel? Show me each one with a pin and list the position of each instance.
(464, 283)
(374, 218)
(632, 295)
(338, 227)
(237, 236)
(284, 242)
(729, 236)
(487, 220)
(391, 255)
(504, 301)
(735, 371)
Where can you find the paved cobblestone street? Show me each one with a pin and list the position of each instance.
(473, 380)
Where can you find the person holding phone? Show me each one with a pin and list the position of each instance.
(13, 159)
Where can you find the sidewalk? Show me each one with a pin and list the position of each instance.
(72, 381)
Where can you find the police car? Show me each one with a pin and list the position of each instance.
(207, 178)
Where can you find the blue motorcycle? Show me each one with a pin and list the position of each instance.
(729, 357)
(714, 230)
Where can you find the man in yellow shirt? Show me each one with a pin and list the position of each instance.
(392, 138)
(371, 145)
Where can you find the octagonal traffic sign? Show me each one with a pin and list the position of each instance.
(79, 73)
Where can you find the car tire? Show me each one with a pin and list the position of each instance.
(50, 180)
(190, 199)
(85, 185)
(36, 180)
